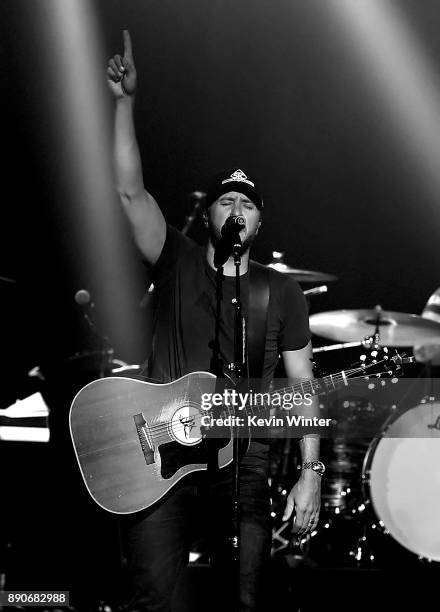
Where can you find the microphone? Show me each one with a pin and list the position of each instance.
(83, 298)
(230, 239)
(232, 227)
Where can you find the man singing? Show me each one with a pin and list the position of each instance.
(158, 540)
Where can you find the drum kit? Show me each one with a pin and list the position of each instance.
(381, 488)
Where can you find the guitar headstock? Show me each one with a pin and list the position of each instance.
(380, 361)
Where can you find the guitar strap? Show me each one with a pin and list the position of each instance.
(259, 294)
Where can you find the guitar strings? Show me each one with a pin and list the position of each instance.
(163, 427)
(180, 425)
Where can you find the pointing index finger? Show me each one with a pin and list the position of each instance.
(128, 49)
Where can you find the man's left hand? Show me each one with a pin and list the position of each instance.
(305, 499)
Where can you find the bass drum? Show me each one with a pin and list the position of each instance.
(401, 476)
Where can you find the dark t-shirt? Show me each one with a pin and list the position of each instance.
(184, 322)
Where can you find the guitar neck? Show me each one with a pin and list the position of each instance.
(260, 402)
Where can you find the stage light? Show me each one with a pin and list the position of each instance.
(79, 110)
(401, 79)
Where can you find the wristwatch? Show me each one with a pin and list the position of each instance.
(316, 466)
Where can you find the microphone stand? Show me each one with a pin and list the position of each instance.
(198, 198)
(239, 369)
(106, 348)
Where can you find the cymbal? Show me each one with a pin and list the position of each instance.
(302, 276)
(395, 328)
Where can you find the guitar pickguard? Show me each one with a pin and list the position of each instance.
(175, 456)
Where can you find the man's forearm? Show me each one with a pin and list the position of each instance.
(309, 444)
(298, 365)
(127, 158)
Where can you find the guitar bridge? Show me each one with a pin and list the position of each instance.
(144, 439)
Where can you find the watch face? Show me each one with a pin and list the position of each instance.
(319, 467)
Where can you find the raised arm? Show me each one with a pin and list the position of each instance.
(145, 216)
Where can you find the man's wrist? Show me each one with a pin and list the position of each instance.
(313, 466)
(125, 100)
(309, 477)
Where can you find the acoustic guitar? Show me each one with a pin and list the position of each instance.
(135, 440)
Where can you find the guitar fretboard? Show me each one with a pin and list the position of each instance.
(261, 402)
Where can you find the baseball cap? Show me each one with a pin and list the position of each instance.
(232, 180)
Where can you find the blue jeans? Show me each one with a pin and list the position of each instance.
(157, 542)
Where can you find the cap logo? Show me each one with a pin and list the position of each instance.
(238, 177)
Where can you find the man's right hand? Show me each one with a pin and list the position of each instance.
(121, 71)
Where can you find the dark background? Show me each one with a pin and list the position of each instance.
(269, 86)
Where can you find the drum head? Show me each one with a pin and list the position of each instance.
(405, 480)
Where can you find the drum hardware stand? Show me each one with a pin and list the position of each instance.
(430, 395)
(376, 336)
(362, 553)
(316, 290)
(366, 343)
(293, 548)
(335, 347)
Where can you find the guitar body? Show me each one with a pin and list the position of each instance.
(135, 440)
